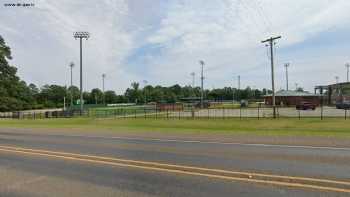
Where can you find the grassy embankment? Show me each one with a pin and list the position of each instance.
(280, 127)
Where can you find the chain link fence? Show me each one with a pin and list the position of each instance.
(214, 113)
(42, 114)
(209, 113)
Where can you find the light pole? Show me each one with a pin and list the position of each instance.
(80, 36)
(71, 65)
(239, 82)
(336, 79)
(286, 65)
(193, 74)
(103, 88)
(201, 62)
(347, 65)
(271, 42)
(254, 88)
(238, 87)
(233, 94)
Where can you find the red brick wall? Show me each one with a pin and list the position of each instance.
(292, 100)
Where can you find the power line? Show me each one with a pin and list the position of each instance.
(264, 17)
(252, 19)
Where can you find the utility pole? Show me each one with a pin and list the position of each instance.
(286, 65)
(103, 88)
(336, 79)
(81, 35)
(201, 62)
(296, 86)
(347, 65)
(71, 65)
(271, 42)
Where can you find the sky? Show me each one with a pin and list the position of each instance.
(162, 41)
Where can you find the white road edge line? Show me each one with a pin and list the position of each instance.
(204, 142)
(220, 143)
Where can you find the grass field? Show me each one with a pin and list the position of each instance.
(280, 127)
(119, 111)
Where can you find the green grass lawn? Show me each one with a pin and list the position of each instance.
(118, 111)
(290, 127)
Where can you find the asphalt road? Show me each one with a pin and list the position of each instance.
(31, 171)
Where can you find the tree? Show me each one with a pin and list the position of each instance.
(74, 90)
(96, 96)
(14, 93)
(52, 95)
(133, 94)
(111, 97)
(300, 89)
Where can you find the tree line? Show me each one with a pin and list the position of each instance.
(16, 94)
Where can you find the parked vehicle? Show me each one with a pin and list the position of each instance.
(343, 105)
(305, 106)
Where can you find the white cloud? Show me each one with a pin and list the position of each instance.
(225, 33)
(51, 25)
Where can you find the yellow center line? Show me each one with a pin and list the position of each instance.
(181, 166)
(182, 169)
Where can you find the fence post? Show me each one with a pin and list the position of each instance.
(345, 113)
(223, 112)
(299, 114)
(259, 112)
